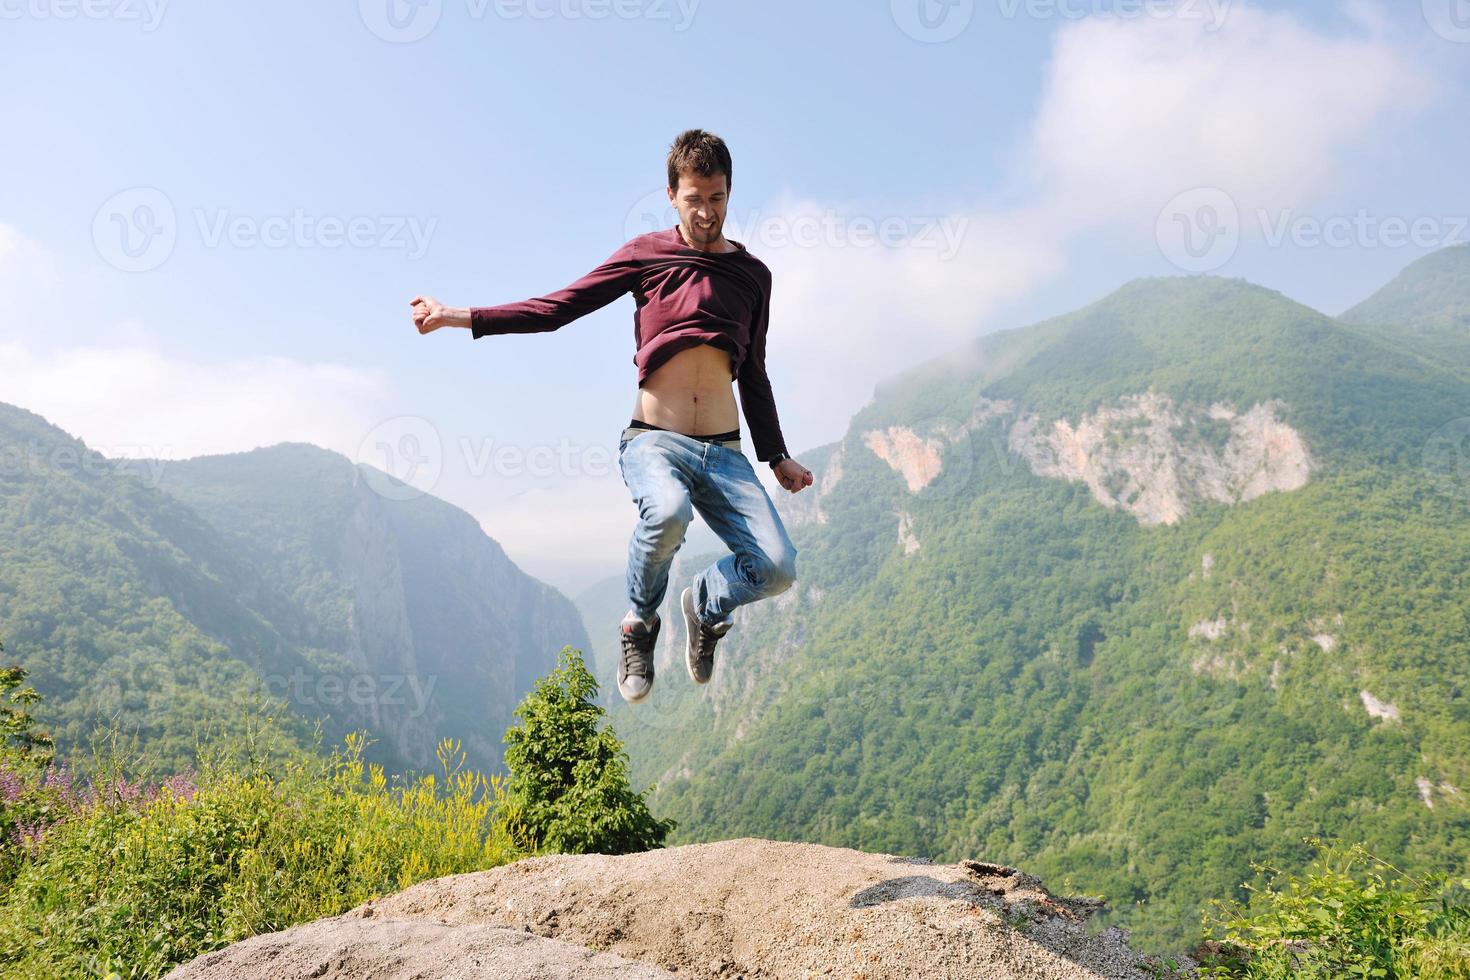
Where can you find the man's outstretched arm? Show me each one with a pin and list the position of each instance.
(593, 291)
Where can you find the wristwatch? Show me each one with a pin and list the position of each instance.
(775, 462)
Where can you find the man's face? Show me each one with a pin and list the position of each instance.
(701, 203)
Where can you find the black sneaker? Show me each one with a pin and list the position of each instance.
(699, 653)
(635, 667)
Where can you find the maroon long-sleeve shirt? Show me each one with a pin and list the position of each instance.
(685, 297)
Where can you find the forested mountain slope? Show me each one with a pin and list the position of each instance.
(1130, 598)
(180, 595)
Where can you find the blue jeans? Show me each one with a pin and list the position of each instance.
(670, 475)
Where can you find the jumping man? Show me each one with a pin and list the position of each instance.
(703, 307)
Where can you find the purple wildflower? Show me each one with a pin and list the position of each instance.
(28, 835)
(60, 778)
(11, 785)
(182, 785)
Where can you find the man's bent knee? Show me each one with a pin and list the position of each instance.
(778, 572)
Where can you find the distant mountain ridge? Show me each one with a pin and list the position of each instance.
(178, 591)
(1427, 306)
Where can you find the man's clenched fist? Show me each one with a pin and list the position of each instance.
(792, 475)
(429, 314)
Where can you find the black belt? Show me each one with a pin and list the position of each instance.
(717, 437)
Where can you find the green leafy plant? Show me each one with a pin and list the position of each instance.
(18, 731)
(569, 775)
(1351, 914)
(31, 797)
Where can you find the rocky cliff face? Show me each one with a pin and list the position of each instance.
(484, 629)
(416, 626)
(1143, 454)
(1155, 459)
(918, 459)
(378, 640)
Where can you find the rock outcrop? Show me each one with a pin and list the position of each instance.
(1155, 459)
(917, 458)
(745, 908)
(1143, 454)
(399, 949)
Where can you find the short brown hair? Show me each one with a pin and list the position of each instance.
(703, 153)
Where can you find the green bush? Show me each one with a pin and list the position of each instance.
(18, 733)
(30, 798)
(1331, 923)
(569, 778)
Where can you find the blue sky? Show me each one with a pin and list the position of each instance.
(1024, 156)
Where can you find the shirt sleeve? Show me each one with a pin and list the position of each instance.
(592, 292)
(755, 391)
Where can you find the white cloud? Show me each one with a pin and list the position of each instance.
(128, 401)
(25, 264)
(30, 275)
(1136, 111)
(844, 316)
(132, 399)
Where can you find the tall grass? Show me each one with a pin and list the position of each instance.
(128, 879)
